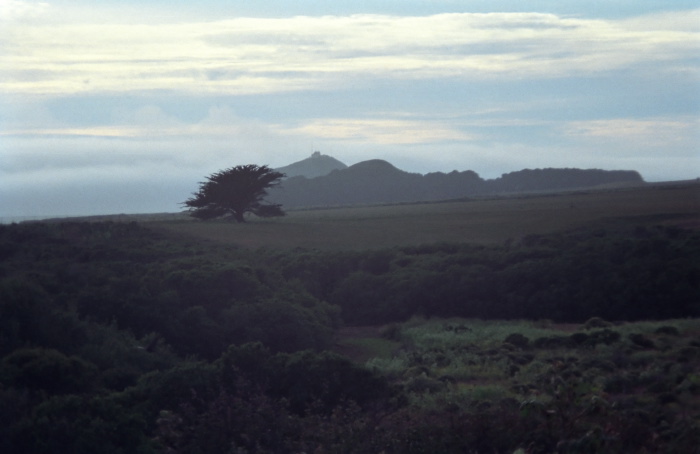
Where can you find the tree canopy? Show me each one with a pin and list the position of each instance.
(233, 192)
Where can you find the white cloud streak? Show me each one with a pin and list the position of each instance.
(661, 130)
(381, 131)
(13, 11)
(269, 55)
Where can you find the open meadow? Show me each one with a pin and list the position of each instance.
(482, 221)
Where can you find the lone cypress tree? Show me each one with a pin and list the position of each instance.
(233, 192)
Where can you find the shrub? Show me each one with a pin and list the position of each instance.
(168, 389)
(604, 336)
(49, 370)
(280, 325)
(392, 332)
(607, 366)
(548, 342)
(522, 358)
(578, 338)
(484, 392)
(391, 368)
(687, 354)
(641, 340)
(667, 330)
(518, 340)
(82, 425)
(618, 383)
(423, 384)
(325, 378)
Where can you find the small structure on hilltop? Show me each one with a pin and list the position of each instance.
(316, 165)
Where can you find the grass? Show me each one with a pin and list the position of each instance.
(483, 221)
(443, 363)
(453, 333)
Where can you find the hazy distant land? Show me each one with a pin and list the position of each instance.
(377, 181)
(321, 181)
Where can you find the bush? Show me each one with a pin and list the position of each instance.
(551, 342)
(82, 425)
(667, 330)
(49, 370)
(604, 336)
(641, 340)
(328, 378)
(23, 309)
(518, 340)
(280, 325)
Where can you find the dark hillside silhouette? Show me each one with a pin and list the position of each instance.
(556, 179)
(377, 181)
(373, 181)
(314, 166)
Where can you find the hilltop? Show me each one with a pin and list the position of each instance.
(378, 182)
(314, 166)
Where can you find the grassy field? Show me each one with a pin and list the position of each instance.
(483, 221)
(569, 371)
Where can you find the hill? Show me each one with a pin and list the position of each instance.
(314, 166)
(377, 181)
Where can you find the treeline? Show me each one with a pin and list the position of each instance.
(200, 298)
(197, 298)
(377, 181)
(644, 274)
(116, 338)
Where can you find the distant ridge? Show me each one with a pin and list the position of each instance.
(316, 165)
(377, 181)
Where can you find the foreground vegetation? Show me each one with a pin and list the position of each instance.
(594, 387)
(123, 338)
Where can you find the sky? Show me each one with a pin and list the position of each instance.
(113, 107)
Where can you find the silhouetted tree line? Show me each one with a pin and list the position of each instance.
(116, 338)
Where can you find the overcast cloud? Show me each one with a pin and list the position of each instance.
(119, 107)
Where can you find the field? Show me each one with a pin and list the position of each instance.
(524, 324)
(484, 221)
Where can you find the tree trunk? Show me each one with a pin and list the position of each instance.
(238, 216)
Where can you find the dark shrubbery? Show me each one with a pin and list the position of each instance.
(48, 370)
(518, 340)
(81, 425)
(594, 276)
(115, 338)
